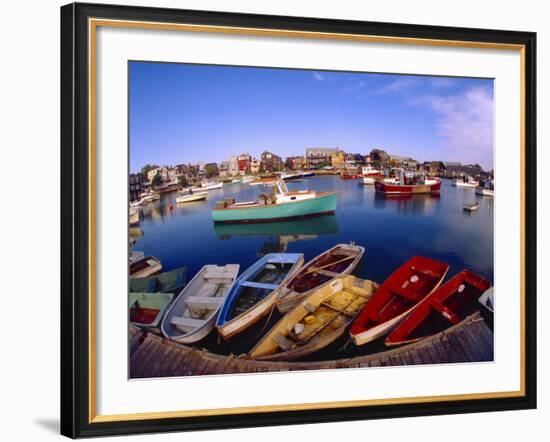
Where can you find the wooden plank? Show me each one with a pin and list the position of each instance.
(457, 352)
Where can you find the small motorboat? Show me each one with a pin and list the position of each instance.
(191, 197)
(207, 185)
(397, 297)
(255, 291)
(486, 188)
(337, 261)
(471, 207)
(308, 174)
(317, 321)
(147, 309)
(142, 266)
(448, 305)
(167, 282)
(192, 315)
(465, 181)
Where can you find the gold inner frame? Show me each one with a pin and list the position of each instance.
(93, 24)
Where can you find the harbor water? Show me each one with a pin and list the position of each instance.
(391, 228)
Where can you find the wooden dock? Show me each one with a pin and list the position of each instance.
(153, 356)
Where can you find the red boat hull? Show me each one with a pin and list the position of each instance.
(406, 189)
(400, 293)
(446, 306)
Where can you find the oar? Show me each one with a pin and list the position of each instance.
(329, 265)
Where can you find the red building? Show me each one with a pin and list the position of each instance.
(243, 162)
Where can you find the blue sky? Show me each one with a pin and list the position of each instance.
(182, 113)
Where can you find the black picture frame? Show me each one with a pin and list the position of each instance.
(75, 221)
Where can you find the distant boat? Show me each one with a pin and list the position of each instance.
(317, 321)
(486, 188)
(236, 180)
(208, 185)
(280, 205)
(409, 183)
(466, 181)
(337, 261)
(144, 266)
(167, 282)
(397, 297)
(191, 197)
(471, 207)
(255, 291)
(134, 216)
(444, 307)
(369, 175)
(149, 196)
(192, 315)
(288, 176)
(308, 174)
(247, 179)
(147, 309)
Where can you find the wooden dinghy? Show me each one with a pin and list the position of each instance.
(446, 306)
(317, 321)
(167, 282)
(397, 297)
(144, 266)
(254, 293)
(192, 315)
(337, 261)
(147, 309)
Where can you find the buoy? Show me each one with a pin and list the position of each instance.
(171, 207)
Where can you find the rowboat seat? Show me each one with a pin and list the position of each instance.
(187, 324)
(204, 302)
(310, 308)
(406, 294)
(259, 285)
(426, 272)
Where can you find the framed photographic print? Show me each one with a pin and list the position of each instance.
(274, 220)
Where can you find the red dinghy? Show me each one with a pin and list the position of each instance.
(397, 297)
(450, 304)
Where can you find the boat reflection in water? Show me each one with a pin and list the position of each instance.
(407, 203)
(278, 235)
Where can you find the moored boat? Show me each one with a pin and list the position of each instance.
(289, 176)
(465, 181)
(308, 174)
(149, 196)
(317, 321)
(487, 300)
(486, 188)
(337, 261)
(147, 309)
(369, 175)
(208, 185)
(144, 266)
(191, 197)
(471, 207)
(255, 291)
(167, 282)
(192, 315)
(280, 204)
(397, 297)
(448, 305)
(409, 183)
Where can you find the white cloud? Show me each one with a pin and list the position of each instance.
(466, 121)
(443, 82)
(399, 85)
(355, 88)
(318, 76)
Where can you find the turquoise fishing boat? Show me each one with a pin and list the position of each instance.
(280, 205)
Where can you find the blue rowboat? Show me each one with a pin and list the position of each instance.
(254, 293)
(280, 205)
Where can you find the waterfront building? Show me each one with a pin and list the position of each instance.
(453, 168)
(255, 166)
(320, 156)
(243, 162)
(136, 186)
(338, 161)
(271, 162)
(379, 157)
(233, 165)
(211, 169)
(296, 163)
(162, 171)
(223, 170)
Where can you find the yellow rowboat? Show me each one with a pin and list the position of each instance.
(316, 322)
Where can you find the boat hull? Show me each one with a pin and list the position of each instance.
(396, 189)
(191, 198)
(321, 205)
(484, 192)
